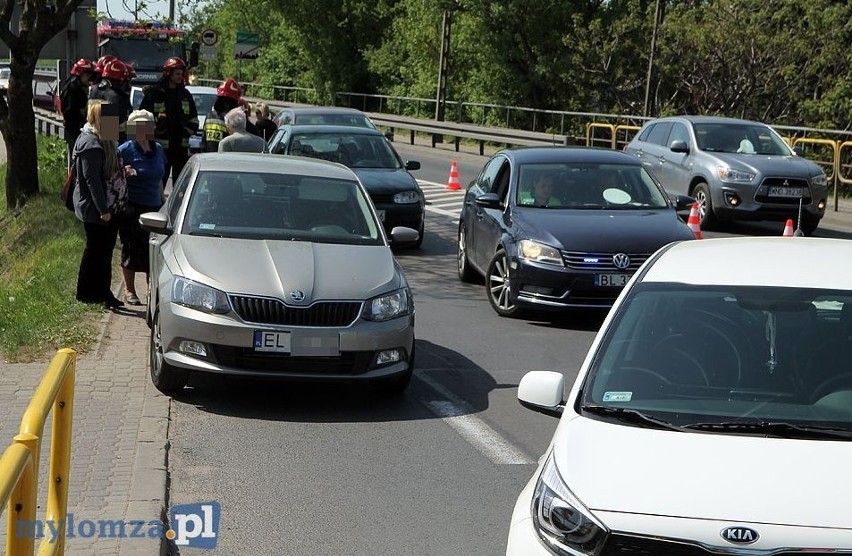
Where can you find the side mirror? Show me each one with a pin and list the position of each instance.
(193, 54)
(401, 234)
(155, 222)
(683, 202)
(798, 150)
(412, 165)
(389, 135)
(543, 391)
(679, 147)
(489, 200)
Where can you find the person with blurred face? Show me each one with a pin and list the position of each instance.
(145, 165)
(541, 193)
(97, 160)
(175, 115)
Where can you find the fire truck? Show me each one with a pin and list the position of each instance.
(145, 45)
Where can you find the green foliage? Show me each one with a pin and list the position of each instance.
(40, 246)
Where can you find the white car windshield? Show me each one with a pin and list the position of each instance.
(728, 358)
(280, 207)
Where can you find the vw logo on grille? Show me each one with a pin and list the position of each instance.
(621, 260)
(297, 295)
(740, 535)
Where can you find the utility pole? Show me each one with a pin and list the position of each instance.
(651, 57)
(443, 64)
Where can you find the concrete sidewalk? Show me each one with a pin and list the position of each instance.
(119, 450)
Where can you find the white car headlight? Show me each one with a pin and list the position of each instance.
(727, 174)
(820, 180)
(198, 296)
(406, 198)
(388, 306)
(565, 526)
(538, 252)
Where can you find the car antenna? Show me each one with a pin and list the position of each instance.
(799, 232)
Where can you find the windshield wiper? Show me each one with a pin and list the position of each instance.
(776, 429)
(630, 416)
(205, 234)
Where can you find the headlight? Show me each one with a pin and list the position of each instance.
(563, 524)
(198, 296)
(388, 306)
(538, 252)
(726, 174)
(406, 198)
(820, 180)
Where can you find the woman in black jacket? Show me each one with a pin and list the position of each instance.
(95, 154)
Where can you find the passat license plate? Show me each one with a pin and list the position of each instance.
(278, 342)
(789, 192)
(618, 280)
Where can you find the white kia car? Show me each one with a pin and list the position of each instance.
(712, 414)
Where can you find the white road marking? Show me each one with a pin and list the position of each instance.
(456, 413)
(441, 200)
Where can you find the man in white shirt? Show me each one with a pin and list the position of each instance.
(240, 140)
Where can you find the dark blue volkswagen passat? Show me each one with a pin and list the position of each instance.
(559, 227)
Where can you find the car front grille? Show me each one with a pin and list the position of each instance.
(264, 310)
(601, 261)
(625, 545)
(762, 194)
(347, 363)
(382, 198)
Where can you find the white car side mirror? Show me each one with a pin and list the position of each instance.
(543, 391)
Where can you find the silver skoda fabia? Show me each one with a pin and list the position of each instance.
(276, 267)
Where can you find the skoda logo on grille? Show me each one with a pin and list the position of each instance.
(297, 295)
(621, 260)
(740, 535)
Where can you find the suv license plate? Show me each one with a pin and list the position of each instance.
(794, 192)
(278, 342)
(618, 280)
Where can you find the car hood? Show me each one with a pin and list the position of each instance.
(603, 231)
(386, 180)
(770, 165)
(626, 469)
(276, 268)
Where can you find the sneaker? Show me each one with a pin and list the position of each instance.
(131, 299)
(113, 303)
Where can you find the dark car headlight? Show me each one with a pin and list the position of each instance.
(539, 252)
(406, 198)
(564, 525)
(199, 296)
(819, 180)
(388, 306)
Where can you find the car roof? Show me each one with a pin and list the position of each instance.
(257, 162)
(342, 129)
(798, 262)
(323, 110)
(593, 155)
(195, 89)
(705, 120)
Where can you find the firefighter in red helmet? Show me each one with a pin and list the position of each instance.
(73, 99)
(114, 88)
(99, 68)
(175, 114)
(228, 96)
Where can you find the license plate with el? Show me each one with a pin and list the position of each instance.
(794, 192)
(381, 215)
(612, 280)
(277, 342)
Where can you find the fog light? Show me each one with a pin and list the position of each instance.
(732, 198)
(388, 356)
(193, 348)
(821, 204)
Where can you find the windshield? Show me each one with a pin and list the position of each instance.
(254, 205)
(728, 358)
(352, 150)
(204, 103)
(143, 54)
(740, 138)
(575, 185)
(5, 73)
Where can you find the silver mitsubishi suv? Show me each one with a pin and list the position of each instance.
(735, 169)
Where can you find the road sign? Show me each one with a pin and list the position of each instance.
(208, 53)
(209, 37)
(247, 45)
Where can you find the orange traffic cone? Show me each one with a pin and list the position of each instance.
(453, 183)
(788, 228)
(694, 221)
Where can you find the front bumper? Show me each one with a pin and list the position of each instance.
(755, 204)
(409, 215)
(229, 347)
(542, 286)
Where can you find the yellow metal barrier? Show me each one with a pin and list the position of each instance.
(20, 462)
(844, 168)
(829, 167)
(628, 131)
(593, 141)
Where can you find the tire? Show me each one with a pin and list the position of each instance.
(809, 226)
(497, 286)
(466, 273)
(166, 378)
(421, 230)
(701, 193)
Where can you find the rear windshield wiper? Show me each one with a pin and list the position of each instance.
(776, 429)
(632, 416)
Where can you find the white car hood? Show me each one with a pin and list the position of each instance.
(276, 268)
(635, 470)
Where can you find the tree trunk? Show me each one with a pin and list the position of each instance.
(16, 125)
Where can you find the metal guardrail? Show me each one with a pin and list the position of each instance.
(19, 464)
